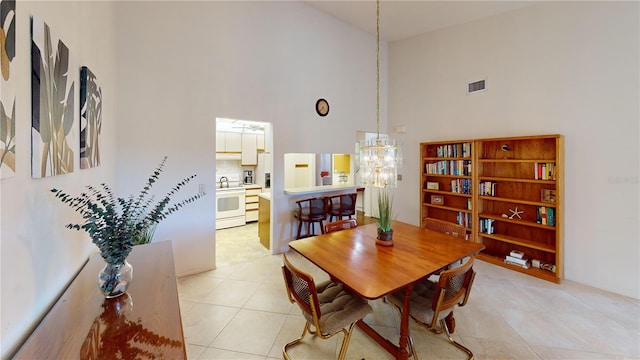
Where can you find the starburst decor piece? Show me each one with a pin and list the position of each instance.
(515, 213)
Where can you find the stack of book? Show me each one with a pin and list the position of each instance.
(517, 258)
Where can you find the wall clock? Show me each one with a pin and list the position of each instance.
(322, 107)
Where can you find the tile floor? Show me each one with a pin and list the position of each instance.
(241, 311)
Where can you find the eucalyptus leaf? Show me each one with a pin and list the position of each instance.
(115, 225)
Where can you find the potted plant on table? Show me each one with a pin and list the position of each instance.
(115, 225)
(385, 217)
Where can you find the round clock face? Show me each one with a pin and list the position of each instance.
(322, 107)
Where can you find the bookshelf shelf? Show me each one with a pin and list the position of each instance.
(518, 180)
(516, 201)
(519, 241)
(447, 193)
(448, 176)
(542, 274)
(515, 161)
(448, 208)
(516, 221)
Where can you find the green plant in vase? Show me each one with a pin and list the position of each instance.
(385, 217)
(115, 225)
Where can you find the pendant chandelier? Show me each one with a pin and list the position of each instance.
(379, 157)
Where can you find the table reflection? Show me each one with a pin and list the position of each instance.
(115, 335)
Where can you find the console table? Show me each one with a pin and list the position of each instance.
(143, 323)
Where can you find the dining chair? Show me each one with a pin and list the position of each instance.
(342, 205)
(445, 227)
(328, 306)
(310, 211)
(340, 225)
(430, 301)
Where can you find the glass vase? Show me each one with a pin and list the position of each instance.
(114, 279)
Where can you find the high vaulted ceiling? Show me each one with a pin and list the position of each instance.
(400, 19)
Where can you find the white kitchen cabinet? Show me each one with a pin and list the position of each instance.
(228, 142)
(260, 142)
(249, 149)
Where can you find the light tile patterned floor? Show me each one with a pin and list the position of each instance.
(241, 311)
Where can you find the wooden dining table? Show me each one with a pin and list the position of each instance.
(372, 271)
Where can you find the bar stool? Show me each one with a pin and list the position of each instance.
(310, 211)
(342, 205)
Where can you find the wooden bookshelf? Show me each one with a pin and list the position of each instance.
(448, 164)
(521, 168)
(500, 174)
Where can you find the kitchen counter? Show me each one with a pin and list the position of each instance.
(320, 189)
(264, 220)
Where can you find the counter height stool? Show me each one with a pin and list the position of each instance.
(310, 211)
(342, 205)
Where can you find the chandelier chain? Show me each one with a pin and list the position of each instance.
(378, 68)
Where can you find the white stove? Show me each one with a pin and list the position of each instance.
(230, 202)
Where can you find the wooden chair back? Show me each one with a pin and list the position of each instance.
(301, 289)
(453, 287)
(445, 227)
(340, 225)
(342, 205)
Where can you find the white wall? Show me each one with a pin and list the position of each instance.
(191, 62)
(560, 67)
(38, 255)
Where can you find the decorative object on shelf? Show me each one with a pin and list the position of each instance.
(385, 217)
(548, 196)
(115, 225)
(322, 107)
(437, 199)
(515, 213)
(432, 185)
(542, 265)
(379, 157)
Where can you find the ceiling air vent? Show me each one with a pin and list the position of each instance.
(477, 86)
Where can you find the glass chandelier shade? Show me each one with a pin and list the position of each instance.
(379, 157)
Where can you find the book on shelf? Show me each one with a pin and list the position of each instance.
(516, 260)
(454, 150)
(488, 188)
(546, 215)
(525, 266)
(461, 186)
(486, 226)
(544, 171)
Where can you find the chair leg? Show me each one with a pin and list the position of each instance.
(294, 342)
(299, 229)
(443, 324)
(345, 342)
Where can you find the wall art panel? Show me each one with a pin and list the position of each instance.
(52, 105)
(90, 119)
(7, 89)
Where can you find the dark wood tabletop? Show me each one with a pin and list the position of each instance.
(373, 271)
(143, 323)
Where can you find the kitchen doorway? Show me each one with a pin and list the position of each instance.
(243, 176)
